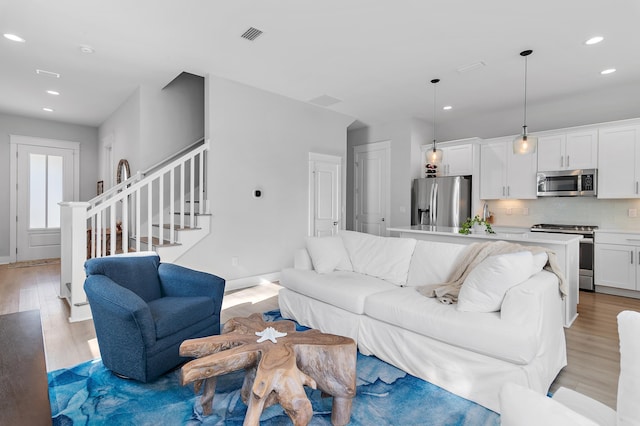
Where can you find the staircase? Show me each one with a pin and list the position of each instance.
(162, 209)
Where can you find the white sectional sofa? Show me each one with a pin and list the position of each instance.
(365, 287)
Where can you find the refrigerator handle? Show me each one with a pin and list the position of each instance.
(434, 204)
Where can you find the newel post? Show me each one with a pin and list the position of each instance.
(73, 253)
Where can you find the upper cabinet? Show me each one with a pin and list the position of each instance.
(568, 151)
(504, 174)
(457, 160)
(619, 162)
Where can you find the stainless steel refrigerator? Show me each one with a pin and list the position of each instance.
(441, 201)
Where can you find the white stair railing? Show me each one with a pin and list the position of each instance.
(127, 212)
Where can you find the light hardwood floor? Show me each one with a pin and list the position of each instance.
(592, 341)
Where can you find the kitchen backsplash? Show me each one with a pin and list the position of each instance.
(607, 214)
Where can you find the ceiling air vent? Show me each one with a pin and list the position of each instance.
(252, 34)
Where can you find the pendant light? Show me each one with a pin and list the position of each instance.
(434, 156)
(525, 144)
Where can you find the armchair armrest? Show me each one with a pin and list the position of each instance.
(119, 313)
(178, 281)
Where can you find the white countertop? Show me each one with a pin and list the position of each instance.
(507, 234)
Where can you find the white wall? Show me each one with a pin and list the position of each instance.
(122, 130)
(26, 126)
(154, 123)
(260, 140)
(406, 137)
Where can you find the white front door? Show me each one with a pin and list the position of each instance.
(44, 177)
(372, 170)
(325, 199)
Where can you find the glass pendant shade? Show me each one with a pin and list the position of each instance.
(434, 156)
(525, 144)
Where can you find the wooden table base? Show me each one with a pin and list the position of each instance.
(275, 372)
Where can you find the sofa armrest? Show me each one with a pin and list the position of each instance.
(302, 260)
(529, 303)
(120, 316)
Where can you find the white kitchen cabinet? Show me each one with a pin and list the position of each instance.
(505, 175)
(617, 263)
(568, 151)
(457, 160)
(619, 162)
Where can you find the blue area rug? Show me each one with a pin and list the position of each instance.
(89, 394)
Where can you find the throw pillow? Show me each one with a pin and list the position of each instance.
(484, 288)
(328, 254)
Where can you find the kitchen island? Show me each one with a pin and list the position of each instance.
(566, 247)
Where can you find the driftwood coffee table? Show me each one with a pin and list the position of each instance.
(275, 372)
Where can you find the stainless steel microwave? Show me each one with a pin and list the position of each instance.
(568, 183)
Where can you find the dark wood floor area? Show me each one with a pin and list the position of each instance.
(592, 341)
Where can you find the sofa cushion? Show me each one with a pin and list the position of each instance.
(433, 262)
(382, 257)
(483, 333)
(344, 289)
(484, 288)
(172, 314)
(328, 254)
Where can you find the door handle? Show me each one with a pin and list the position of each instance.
(335, 223)
(567, 161)
(383, 219)
(562, 161)
(508, 191)
(631, 256)
(636, 187)
(503, 191)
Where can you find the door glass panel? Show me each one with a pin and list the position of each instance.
(37, 191)
(45, 190)
(54, 190)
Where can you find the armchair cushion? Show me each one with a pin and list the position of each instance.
(172, 314)
(137, 273)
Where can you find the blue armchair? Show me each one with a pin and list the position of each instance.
(143, 310)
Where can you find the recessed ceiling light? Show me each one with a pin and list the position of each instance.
(608, 71)
(47, 109)
(594, 40)
(14, 37)
(447, 107)
(48, 73)
(53, 92)
(87, 49)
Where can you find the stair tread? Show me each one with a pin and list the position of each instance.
(177, 227)
(195, 214)
(156, 242)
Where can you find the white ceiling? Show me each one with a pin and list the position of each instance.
(377, 57)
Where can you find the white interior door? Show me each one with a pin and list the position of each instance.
(371, 182)
(325, 200)
(45, 177)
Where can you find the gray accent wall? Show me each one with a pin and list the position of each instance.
(34, 127)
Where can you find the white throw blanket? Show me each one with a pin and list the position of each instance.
(447, 292)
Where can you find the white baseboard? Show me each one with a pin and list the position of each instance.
(5, 259)
(247, 282)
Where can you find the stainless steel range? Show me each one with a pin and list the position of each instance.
(586, 248)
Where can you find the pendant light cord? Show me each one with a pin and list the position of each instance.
(434, 81)
(525, 95)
